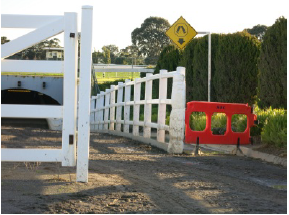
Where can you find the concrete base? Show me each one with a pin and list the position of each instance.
(244, 151)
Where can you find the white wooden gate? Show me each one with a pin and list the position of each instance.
(46, 27)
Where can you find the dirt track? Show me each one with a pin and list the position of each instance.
(130, 177)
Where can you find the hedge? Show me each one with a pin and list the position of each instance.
(273, 66)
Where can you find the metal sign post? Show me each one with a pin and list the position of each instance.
(209, 63)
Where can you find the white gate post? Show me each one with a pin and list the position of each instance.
(148, 107)
(162, 107)
(126, 107)
(70, 90)
(177, 117)
(84, 95)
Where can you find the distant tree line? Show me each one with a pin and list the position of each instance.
(36, 52)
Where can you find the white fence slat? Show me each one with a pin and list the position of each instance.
(92, 113)
(84, 95)
(119, 108)
(106, 110)
(126, 107)
(70, 89)
(36, 66)
(31, 111)
(31, 155)
(26, 21)
(101, 110)
(136, 107)
(162, 107)
(148, 107)
(112, 107)
(32, 38)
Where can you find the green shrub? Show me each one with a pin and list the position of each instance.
(198, 121)
(273, 66)
(275, 128)
(239, 122)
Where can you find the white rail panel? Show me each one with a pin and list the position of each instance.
(32, 38)
(31, 155)
(26, 21)
(35, 66)
(105, 118)
(31, 111)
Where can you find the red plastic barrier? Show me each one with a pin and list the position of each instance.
(206, 136)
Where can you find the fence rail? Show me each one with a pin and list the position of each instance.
(111, 110)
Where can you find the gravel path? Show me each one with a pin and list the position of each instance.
(126, 176)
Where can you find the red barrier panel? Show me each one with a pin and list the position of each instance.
(209, 108)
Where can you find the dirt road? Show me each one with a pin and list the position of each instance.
(130, 177)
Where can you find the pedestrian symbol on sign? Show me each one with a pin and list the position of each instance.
(181, 30)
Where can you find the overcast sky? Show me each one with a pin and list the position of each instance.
(114, 20)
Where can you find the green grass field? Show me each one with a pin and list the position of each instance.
(114, 76)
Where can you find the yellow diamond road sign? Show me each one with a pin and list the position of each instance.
(181, 33)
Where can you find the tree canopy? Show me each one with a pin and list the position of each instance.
(150, 38)
(257, 31)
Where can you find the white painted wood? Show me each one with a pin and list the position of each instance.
(101, 110)
(162, 107)
(31, 155)
(177, 120)
(106, 110)
(32, 38)
(84, 95)
(92, 113)
(126, 107)
(177, 117)
(31, 111)
(148, 107)
(70, 89)
(136, 107)
(96, 112)
(26, 21)
(112, 107)
(37, 66)
(119, 107)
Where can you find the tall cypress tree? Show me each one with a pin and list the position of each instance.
(273, 66)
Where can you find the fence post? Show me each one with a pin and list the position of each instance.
(119, 107)
(148, 107)
(69, 90)
(126, 107)
(136, 107)
(177, 117)
(92, 113)
(101, 110)
(84, 95)
(106, 109)
(96, 126)
(162, 107)
(112, 107)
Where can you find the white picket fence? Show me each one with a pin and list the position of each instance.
(112, 115)
(46, 27)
